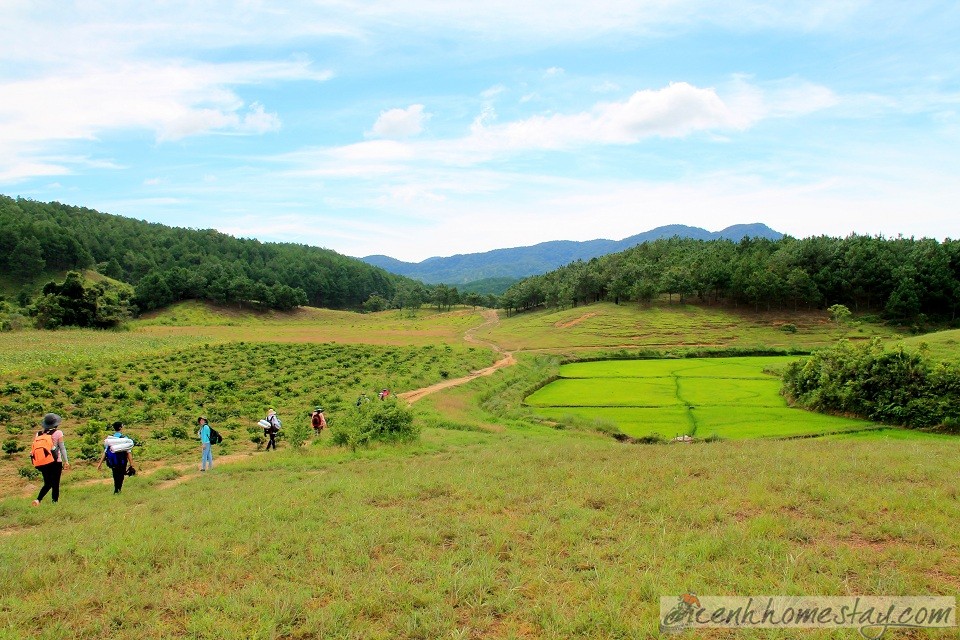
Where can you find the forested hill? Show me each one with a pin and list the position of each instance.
(167, 264)
(520, 262)
(901, 278)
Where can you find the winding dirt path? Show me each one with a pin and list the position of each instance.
(491, 318)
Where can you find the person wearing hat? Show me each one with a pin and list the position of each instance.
(206, 447)
(52, 470)
(121, 460)
(271, 431)
(318, 421)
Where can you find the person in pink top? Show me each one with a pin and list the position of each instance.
(51, 471)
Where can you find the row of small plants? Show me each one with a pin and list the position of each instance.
(159, 397)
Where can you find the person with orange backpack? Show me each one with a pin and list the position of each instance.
(49, 455)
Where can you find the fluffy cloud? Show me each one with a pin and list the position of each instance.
(400, 123)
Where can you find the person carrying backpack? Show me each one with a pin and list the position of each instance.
(271, 430)
(318, 421)
(49, 455)
(117, 461)
(206, 444)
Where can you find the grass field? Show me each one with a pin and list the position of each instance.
(702, 397)
(493, 525)
(533, 534)
(942, 345)
(669, 326)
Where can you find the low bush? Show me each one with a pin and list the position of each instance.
(385, 421)
(30, 473)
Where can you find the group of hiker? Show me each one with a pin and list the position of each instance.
(49, 450)
(49, 456)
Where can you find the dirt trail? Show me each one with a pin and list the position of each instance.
(470, 336)
(574, 322)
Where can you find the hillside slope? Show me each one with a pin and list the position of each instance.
(170, 263)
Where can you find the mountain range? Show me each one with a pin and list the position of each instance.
(520, 262)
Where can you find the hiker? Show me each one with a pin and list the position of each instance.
(383, 394)
(49, 454)
(362, 398)
(318, 420)
(271, 430)
(117, 460)
(206, 447)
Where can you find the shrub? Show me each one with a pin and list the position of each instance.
(386, 421)
(789, 328)
(30, 473)
(299, 433)
(11, 446)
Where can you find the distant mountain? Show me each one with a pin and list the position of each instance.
(520, 262)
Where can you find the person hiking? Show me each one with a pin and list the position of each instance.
(383, 394)
(206, 447)
(271, 431)
(116, 460)
(362, 398)
(49, 454)
(318, 421)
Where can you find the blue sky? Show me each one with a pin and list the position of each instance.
(436, 127)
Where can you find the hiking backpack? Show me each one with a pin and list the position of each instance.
(115, 459)
(42, 451)
(215, 437)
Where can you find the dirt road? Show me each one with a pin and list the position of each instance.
(470, 336)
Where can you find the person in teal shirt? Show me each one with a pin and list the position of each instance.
(206, 458)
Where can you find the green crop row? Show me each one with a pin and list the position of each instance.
(159, 396)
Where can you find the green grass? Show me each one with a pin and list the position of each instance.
(669, 326)
(537, 535)
(727, 398)
(31, 350)
(308, 324)
(492, 526)
(942, 345)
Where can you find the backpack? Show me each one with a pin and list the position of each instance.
(215, 437)
(115, 459)
(42, 451)
(315, 420)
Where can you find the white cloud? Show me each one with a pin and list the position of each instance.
(400, 123)
(173, 100)
(492, 92)
(675, 111)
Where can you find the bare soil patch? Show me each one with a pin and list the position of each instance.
(574, 322)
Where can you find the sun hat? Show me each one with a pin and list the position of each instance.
(51, 420)
(131, 471)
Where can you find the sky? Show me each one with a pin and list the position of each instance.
(438, 127)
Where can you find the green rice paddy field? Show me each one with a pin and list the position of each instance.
(729, 398)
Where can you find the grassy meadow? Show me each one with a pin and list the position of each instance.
(494, 525)
(665, 326)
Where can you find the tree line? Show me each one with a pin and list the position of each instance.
(903, 279)
(167, 264)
